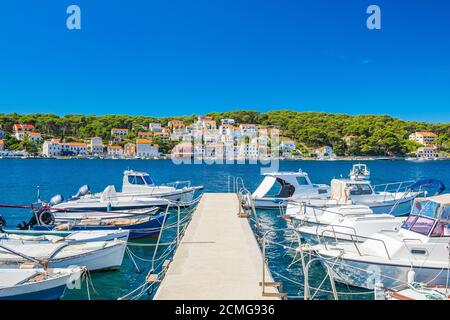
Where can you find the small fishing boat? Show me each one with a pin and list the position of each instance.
(109, 200)
(139, 226)
(295, 185)
(37, 284)
(99, 255)
(346, 223)
(359, 172)
(137, 186)
(54, 236)
(388, 258)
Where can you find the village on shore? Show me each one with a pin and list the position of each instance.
(203, 139)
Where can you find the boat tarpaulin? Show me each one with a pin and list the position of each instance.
(264, 187)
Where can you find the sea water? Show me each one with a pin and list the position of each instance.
(19, 179)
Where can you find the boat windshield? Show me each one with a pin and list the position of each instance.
(302, 181)
(421, 225)
(359, 189)
(425, 208)
(141, 180)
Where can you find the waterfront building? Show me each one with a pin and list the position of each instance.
(145, 149)
(426, 152)
(2, 145)
(96, 146)
(129, 150)
(155, 127)
(325, 152)
(75, 148)
(424, 138)
(52, 148)
(115, 151)
(183, 150)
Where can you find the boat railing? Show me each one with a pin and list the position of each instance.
(177, 184)
(396, 187)
(332, 226)
(356, 242)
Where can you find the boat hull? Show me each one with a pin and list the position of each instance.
(366, 275)
(51, 289)
(148, 229)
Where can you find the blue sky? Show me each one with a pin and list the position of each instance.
(160, 58)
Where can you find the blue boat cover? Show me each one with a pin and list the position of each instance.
(428, 183)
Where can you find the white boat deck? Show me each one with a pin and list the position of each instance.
(218, 257)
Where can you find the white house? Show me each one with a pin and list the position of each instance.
(155, 127)
(287, 145)
(115, 151)
(426, 152)
(145, 149)
(325, 152)
(52, 148)
(248, 130)
(96, 146)
(424, 138)
(76, 148)
(227, 121)
(120, 132)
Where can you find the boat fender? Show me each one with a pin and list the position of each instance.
(411, 276)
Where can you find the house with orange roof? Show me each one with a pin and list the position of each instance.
(145, 149)
(115, 151)
(425, 138)
(175, 124)
(75, 148)
(22, 130)
(145, 134)
(162, 135)
(2, 145)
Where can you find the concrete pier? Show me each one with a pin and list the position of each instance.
(218, 257)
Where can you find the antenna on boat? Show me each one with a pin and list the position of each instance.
(38, 194)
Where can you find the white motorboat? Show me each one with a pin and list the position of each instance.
(140, 186)
(37, 284)
(53, 236)
(418, 252)
(108, 200)
(295, 185)
(359, 192)
(346, 223)
(99, 255)
(359, 172)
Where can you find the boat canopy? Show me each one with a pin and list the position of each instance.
(428, 183)
(131, 177)
(289, 182)
(342, 189)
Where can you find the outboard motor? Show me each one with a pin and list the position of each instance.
(40, 216)
(57, 199)
(84, 190)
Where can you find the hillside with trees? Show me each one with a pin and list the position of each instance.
(377, 135)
